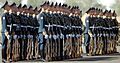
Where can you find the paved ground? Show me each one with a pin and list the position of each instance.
(113, 58)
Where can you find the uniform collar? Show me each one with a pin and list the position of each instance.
(113, 17)
(104, 17)
(18, 13)
(5, 11)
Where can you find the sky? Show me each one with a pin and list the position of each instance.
(59, 1)
(24, 2)
(107, 3)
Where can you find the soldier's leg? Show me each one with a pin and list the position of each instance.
(81, 50)
(4, 46)
(8, 51)
(15, 50)
(36, 49)
(56, 44)
(31, 50)
(12, 51)
(87, 42)
(90, 47)
(97, 46)
(22, 48)
(76, 45)
(71, 48)
(115, 44)
(18, 49)
(28, 49)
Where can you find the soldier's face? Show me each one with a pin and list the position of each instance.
(7, 7)
(20, 9)
(14, 9)
(42, 10)
(10, 11)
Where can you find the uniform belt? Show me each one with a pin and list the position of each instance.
(61, 26)
(48, 25)
(22, 26)
(54, 24)
(65, 27)
(8, 25)
(36, 27)
(94, 27)
(73, 26)
(115, 27)
(14, 24)
(29, 26)
(79, 27)
(58, 25)
(76, 26)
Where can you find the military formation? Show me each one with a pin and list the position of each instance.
(101, 33)
(53, 31)
(61, 29)
(50, 32)
(19, 32)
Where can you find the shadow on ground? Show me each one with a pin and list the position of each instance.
(87, 58)
(94, 59)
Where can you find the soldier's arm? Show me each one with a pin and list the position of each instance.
(40, 21)
(3, 28)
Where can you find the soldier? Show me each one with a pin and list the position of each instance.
(16, 22)
(100, 45)
(109, 32)
(30, 34)
(36, 25)
(105, 32)
(24, 30)
(87, 36)
(20, 10)
(115, 31)
(61, 30)
(5, 30)
(41, 31)
(79, 32)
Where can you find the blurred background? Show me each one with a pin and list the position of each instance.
(83, 4)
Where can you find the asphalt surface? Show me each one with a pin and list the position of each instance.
(112, 58)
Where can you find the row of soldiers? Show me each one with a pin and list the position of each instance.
(19, 32)
(101, 33)
(52, 32)
(61, 29)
